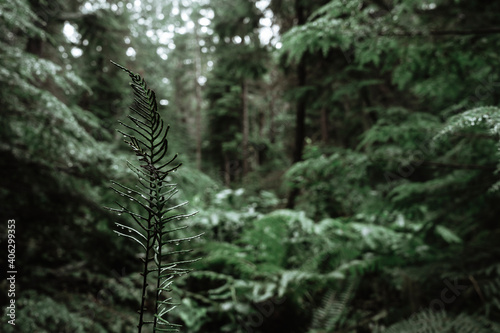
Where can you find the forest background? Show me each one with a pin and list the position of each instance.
(343, 157)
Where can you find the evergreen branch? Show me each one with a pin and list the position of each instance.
(489, 31)
(460, 166)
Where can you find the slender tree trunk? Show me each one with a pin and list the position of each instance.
(261, 147)
(198, 100)
(34, 46)
(272, 106)
(300, 119)
(227, 170)
(244, 143)
(262, 122)
(272, 130)
(324, 125)
(365, 117)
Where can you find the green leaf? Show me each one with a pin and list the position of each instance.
(448, 235)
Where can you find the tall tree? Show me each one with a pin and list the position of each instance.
(288, 19)
(240, 58)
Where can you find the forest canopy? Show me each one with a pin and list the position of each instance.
(343, 157)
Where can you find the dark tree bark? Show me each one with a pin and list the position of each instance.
(324, 125)
(227, 170)
(300, 119)
(244, 106)
(198, 100)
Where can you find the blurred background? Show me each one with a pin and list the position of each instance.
(343, 157)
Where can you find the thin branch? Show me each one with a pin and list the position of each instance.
(460, 166)
(489, 31)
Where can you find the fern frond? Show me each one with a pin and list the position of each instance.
(430, 321)
(333, 308)
(147, 137)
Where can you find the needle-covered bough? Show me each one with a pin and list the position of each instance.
(151, 221)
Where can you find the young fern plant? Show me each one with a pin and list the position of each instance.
(152, 226)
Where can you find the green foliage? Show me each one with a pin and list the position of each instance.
(429, 321)
(267, 239)
(333, 309)
(334, 182)
(240, 63)
(17, 14)
(26, 133)
(488, 117)
(398, 183)
(45, 315)
(286, 254)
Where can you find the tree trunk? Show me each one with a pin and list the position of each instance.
(227, 170)
(198, 100)
(244, 143)
(300, 120)
(301, 108)
(261, 146)
(324, 125)
(272, 130)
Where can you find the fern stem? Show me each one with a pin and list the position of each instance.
(158, 233)
(145, 276)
